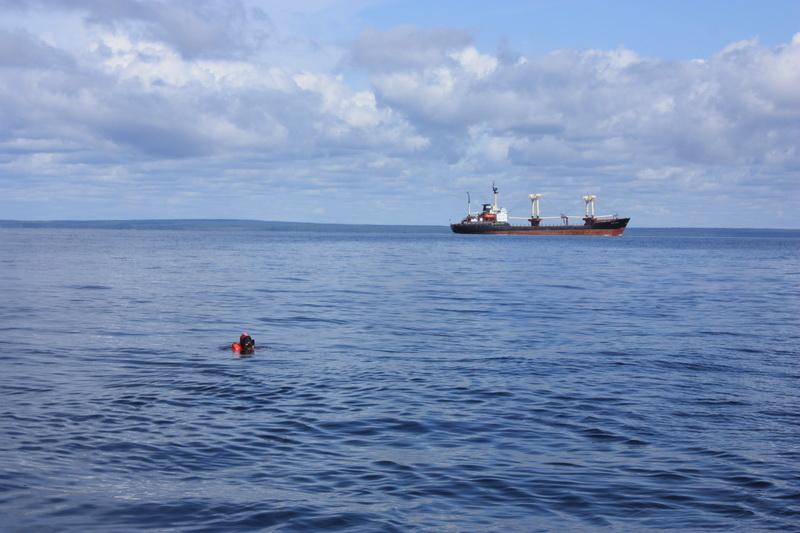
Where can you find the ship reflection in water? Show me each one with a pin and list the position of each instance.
(494, 220)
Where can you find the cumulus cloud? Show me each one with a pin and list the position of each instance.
(608, 115)
(183, 95)
(135, 117)
(18, 48)
(194, 28)
(408, 48)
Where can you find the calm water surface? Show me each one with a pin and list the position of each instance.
(407, 379)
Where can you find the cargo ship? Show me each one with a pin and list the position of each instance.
(495, 221)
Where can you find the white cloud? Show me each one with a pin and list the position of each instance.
(724, 111)
(127, 103)
(475, 63)
(408, 48)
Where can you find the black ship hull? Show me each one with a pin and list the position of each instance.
(607, 228)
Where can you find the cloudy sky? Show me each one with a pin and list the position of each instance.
(675, 113)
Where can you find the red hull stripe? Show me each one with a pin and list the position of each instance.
(603, 232)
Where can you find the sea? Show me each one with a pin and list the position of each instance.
(405, 379)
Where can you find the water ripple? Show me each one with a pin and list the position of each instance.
(394, 389)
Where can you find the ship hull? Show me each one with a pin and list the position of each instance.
(612, 228)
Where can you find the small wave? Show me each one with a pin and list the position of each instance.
(301, 320)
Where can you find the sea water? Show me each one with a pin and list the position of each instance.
(405, 379)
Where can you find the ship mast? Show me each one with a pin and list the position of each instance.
(494, 198)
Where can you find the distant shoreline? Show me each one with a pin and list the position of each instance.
(191, 223)
(188, 224)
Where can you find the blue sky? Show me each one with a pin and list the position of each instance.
(673, 113)
(677, 29)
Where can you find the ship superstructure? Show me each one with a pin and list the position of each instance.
(490, 212)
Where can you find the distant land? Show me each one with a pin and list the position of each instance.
(273, 225)
(210, 224)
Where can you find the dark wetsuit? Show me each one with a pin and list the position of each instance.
(248, 345)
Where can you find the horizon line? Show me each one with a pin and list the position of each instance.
(118, 220)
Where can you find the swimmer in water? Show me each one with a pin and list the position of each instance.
(245, 346)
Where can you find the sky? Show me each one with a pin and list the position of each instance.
(674, 113)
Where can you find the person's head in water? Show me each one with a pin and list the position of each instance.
(248, 345)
